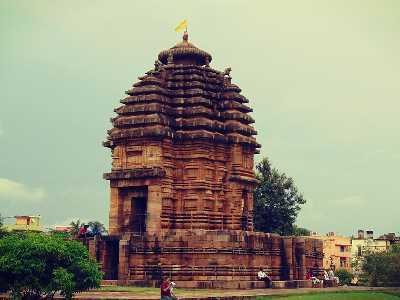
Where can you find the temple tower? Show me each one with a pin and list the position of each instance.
(182, 148)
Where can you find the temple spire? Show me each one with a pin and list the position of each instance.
(185, 36)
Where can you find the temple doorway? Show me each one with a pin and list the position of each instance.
(139, 205)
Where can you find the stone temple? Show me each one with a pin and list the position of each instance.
(182, 184)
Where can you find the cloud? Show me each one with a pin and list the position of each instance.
(353, 200)
(67, 221)
(14, 190)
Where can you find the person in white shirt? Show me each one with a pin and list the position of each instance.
(264, 277)
(172, 285)
(332, 276)
(326, 277)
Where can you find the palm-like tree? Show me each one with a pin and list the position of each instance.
(75, 226)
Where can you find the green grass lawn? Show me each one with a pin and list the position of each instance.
(131, 289)
(340, 296)
(393, 294)
(148, 290)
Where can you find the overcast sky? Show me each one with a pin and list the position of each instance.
(321, 76)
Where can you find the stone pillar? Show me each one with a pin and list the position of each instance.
(153, 209)
(92, 247)
(114, 226)
(123, 262)
(126, 217)
(103, 257)
(288, 256)
(300, 250)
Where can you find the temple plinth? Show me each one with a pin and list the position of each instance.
(182, 182)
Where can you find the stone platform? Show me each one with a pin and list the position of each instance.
(207, 258)
(218, 284)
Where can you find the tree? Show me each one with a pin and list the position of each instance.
(2, 230)
(277, 200)
(75, 226)
(382, 268)
(300, 231)
(344, 276)
(36, 266)
(97, 228)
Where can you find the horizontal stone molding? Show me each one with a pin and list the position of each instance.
(135, 173)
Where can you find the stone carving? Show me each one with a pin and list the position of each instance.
(227, 71)
(157, 65)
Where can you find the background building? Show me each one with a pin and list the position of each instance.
(25, 223)
(365, 242)
(337, 251)
(391, 237)
(62, 228)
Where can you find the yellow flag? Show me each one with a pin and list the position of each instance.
(182, 25)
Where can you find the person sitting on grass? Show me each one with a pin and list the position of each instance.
(262, 275)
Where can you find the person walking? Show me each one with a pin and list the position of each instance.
(166, 289)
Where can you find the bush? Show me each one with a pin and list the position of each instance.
(344, 276)
(36, 266)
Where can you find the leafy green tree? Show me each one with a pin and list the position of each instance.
(299, 231)
(277, 200)
(97, 228)
(36, 266)
(63, 234)
(2, 229)
(344, 276)
(382, 268)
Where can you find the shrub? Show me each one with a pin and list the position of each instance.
(36, 266)
(344, 276)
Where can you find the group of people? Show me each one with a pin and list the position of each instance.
(167, 286)
(86, 231)
(330, 275)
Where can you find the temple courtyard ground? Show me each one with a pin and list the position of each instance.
(340, 293)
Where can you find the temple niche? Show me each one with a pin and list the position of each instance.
(182, 183)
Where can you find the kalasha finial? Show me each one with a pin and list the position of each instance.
(185, 36)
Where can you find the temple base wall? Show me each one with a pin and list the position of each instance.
(208, 258)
